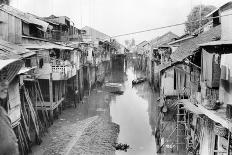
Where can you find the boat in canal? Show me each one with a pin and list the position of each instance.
(113, 84)
(139, 80)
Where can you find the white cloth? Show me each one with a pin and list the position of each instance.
(225, 90)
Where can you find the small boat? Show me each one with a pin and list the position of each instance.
(138, 80)
(118, 92)
(113, 85)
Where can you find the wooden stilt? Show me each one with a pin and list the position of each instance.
(51, 97)
(228, 146)
(74, 94)
(56, 97)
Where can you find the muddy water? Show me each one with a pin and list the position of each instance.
(131, 112)
(135, 111)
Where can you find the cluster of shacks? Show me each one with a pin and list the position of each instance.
(57, 64)
(193, 78)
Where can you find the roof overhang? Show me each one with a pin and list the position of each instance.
(217, 43)
(47, 46)
(183, 39)
(13, 66)
(26, 17)
(24, 70)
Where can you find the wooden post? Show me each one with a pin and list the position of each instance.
(51, 97)
(81, 82)
(77, 84)
(56, 97)
(60, 94)
(74, 90)
(89, 78)
(228, 147)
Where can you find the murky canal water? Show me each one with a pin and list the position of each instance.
(130, 111)
(135, 111)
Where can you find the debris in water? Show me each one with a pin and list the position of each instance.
(118, 92)
(123, 147)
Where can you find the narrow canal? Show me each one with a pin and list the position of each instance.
(135, 111)
(131, 118)
(131, 112)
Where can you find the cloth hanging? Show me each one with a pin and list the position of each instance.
(225, 90)
(210, 69)
(207, 60)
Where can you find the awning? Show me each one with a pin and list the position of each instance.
(12, 67)
(216, 43)
(46, 45)
(28, 54)
(24, 70)
(10, 50)
(190, 106)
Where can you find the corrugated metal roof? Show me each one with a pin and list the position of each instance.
(188, 47)
(143, 43)
(24, 16)
(12, 67)
(9, 50)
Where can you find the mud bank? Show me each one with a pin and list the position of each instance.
(98, 138)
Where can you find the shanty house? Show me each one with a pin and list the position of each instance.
(55, 62)
(157, 55)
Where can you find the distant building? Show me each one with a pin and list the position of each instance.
(94, 36)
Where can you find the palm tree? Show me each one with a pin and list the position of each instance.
(5, 2)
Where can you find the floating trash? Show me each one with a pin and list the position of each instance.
(123, 147)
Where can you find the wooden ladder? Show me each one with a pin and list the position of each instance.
(181, 123)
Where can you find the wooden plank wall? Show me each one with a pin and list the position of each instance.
(10, 28)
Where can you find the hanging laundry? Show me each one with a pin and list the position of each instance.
(216, 71)
(210, 69)
(225, 90)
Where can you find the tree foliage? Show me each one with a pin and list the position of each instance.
(5, 2)
(197, 13)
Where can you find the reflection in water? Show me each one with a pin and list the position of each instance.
(135, 110)
(131, 111)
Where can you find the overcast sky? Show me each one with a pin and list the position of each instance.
(114, 17)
